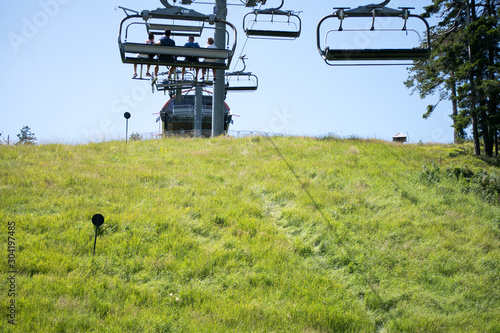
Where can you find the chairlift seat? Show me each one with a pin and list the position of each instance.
(243, 88)
(272, 33)
(175, 63)
(375, 54)
(176, 51)
(179, 51)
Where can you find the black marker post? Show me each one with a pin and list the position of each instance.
(97, 220)
(127, 116)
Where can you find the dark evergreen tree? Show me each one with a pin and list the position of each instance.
(464, 67)
(26, 136)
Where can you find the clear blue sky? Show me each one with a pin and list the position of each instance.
(63, 77)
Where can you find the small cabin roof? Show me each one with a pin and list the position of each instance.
(399, 135)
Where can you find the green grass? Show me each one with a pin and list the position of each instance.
(252, 235)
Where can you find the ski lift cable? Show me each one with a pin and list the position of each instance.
(244, 45)
(253, 23)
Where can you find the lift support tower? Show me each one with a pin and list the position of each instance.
(219, 88)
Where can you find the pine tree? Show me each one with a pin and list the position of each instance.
(464, 67)
(26, 136)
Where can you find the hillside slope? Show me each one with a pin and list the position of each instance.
(250, 235)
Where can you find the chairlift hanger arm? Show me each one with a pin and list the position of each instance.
(168, 5)
(243, 57)
(383, 4)
(274, 11)
(127, 10)
(277, 8)
(165, 3)
(253, 3)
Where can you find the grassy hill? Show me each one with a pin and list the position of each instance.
(250, 235)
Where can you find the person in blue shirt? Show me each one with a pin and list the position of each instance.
(165, 40)
(193, 44)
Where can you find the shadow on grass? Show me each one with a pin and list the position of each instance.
(491, 161)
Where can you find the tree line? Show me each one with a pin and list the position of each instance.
(463, 67)
(26, 137)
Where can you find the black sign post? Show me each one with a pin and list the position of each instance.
(97, 220)
(127, 116)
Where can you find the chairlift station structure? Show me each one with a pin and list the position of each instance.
(267, 23)
(179, 114)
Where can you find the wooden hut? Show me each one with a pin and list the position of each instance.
(400, 137)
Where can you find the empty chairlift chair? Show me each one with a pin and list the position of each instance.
(241, 80)
(272, 23)
(393, 44)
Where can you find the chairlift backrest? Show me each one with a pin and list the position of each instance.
(177, 30)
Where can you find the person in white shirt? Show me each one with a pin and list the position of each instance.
(210, 45)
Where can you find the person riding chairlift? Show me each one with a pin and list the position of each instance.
(210, 45)
(166, 41)
(193, 44)
(150, 41)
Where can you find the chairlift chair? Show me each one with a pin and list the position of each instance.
(241, 80)
(272, 23)
(350, 56)
(180, 21)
